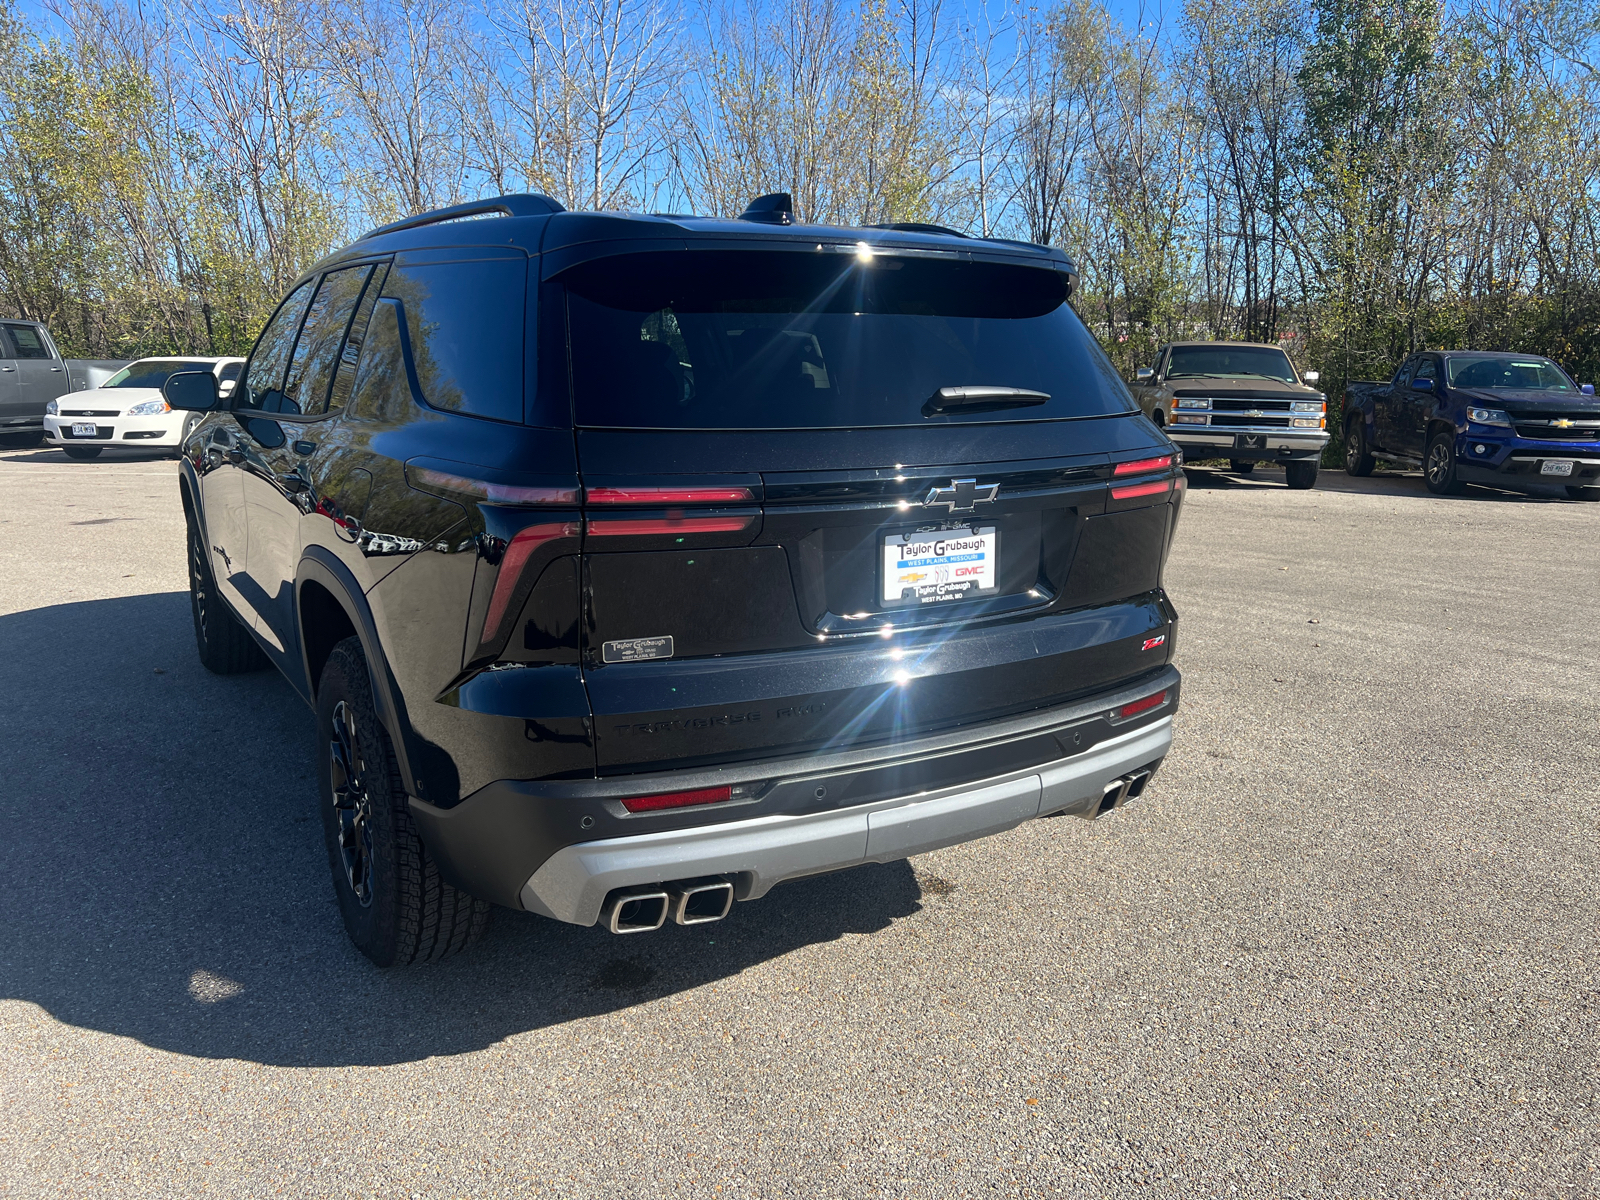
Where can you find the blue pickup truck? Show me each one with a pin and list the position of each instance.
(1509, 420)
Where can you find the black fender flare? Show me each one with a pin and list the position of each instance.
(322, 566)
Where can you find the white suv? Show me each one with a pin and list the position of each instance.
(129, 410)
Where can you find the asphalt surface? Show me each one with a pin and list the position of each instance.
(1345, 946)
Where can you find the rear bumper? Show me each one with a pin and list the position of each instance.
(1249, 445)
(573, 883)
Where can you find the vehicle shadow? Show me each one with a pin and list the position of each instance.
(54, 456)
(163, 878)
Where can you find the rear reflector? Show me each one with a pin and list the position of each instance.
(1139, 706)
(626, 528)
(669, 495)
(1143, 465)
(714, 795)
(1140, 489)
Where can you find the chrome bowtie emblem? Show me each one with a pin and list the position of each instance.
(1254, 412)
(961, 495)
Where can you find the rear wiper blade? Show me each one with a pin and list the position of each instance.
(981, 398)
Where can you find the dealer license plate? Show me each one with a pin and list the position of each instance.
(84, 429)
(1556, 466)
(931, 567)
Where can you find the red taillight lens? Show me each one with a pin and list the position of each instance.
(626, 528)
(714, 795)
(1140, 489)
(669, 495)
(1143, 465)
(1138, 706)
(495, 493)
(515, 557)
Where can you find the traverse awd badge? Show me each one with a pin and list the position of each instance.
(636, 649)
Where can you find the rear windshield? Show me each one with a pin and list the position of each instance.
(809, 339)
(151, 373)
(1515, 374)
(1229, 362)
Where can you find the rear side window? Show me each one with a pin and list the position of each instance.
(807, 339)
(312, 365)
(28, 341)
(263, 387)
(465, 326)
(349, 357)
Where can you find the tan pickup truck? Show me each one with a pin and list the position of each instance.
(1240, 401)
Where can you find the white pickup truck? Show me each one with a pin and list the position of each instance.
(33, 373)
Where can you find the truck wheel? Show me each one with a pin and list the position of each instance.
(82, 451)
(1583, 493)
(1240, 468)
(1439, 465)
(226, 647)
(1301, 475)
(396, 908)
(1358, 458)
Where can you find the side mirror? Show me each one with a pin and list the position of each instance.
(1143, 374)
(191, 391)
(1422, 385)
(1311, 376)
(1587, 389)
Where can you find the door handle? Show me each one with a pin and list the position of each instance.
(7, 368)
(234, 455)
(293, 484)
(303, 448)
(57, 370)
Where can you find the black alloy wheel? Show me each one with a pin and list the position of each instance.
(1439, 464)
(1239, 467)
(396, 907)
(226, 647)
(352, 808)
(1358, 458)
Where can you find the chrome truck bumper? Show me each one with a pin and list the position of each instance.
(573, 884)
(1265, 443)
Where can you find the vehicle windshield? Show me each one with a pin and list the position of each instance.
(151, 372)
(786, 339)
(1261, 362)
(1513, 374)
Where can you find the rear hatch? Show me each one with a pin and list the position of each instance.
(837, 499)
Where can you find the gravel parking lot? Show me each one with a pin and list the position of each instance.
(1346, 945)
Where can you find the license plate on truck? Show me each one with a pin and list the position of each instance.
(1556, 466)
(84, 429)
(936, 566)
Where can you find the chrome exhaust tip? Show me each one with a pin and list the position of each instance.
(634, 910)
(1119, 791)
(700, 901)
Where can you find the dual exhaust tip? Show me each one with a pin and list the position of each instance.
(687, 902)
(1119, 791)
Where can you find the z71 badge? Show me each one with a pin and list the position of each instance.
(636, 649)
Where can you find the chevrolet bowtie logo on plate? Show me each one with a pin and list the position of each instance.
(961, 495)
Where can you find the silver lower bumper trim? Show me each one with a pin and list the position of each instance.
(1274, 440)
(574, 882)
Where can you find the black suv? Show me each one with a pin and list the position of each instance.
(635, 564)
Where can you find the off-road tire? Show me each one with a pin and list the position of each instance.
(82, 452)
(1439, 464)
(1583, 493)
(1358, 458)
(1240, 468)
(396, 908)
(225, 645)
(1300, 475)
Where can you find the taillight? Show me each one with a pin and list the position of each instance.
(715, 795)
(659, 496)
(629, 528)
(512, 560)
(1140, 489)
(1140, 466)
(1135, 707)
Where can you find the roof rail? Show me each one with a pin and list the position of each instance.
(526, 204)
(918, 227)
